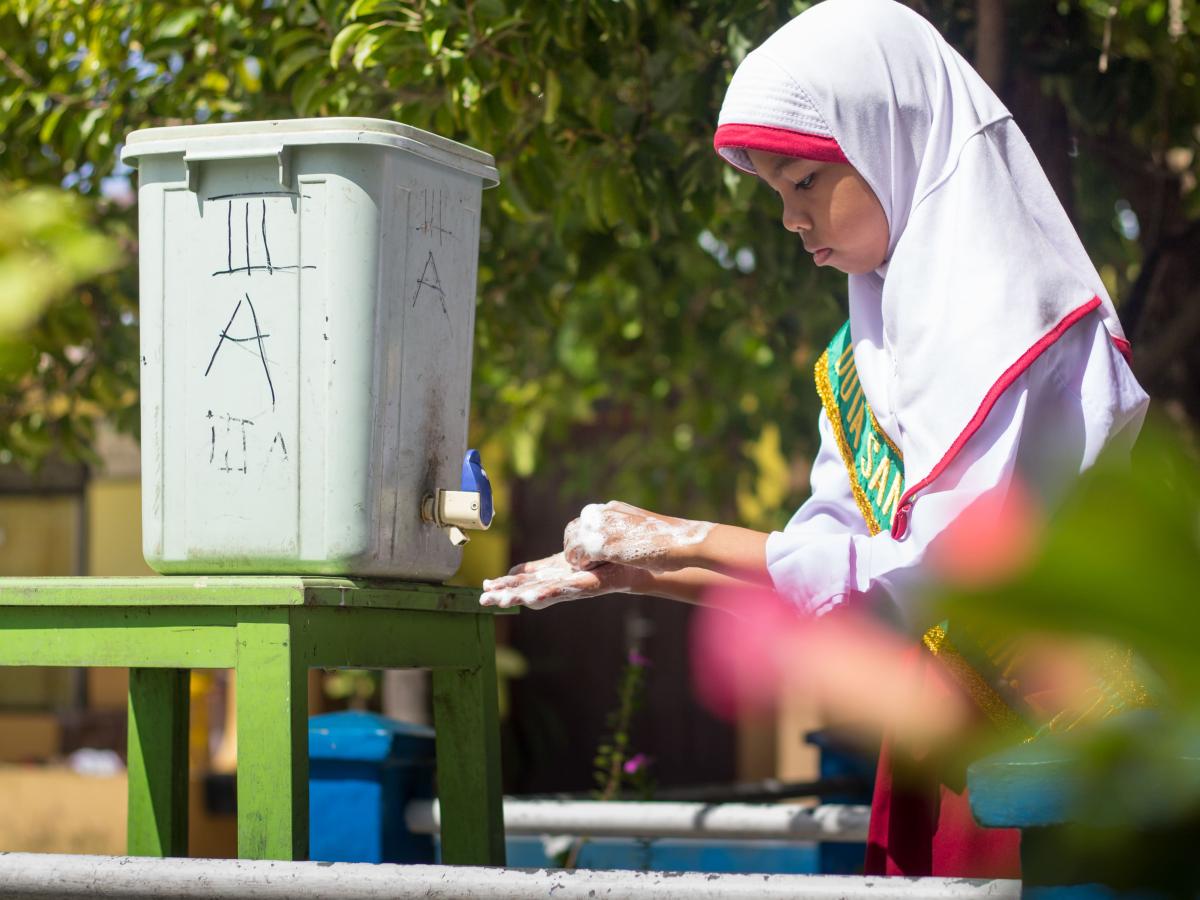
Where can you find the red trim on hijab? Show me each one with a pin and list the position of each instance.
(779, 140)
(1011, 374)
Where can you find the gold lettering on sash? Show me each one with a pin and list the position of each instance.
(849, 385)
(879, 478)
(888, 504)
(846, 360)
(868, 459)
(857, 418)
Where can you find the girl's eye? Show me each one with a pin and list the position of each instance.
(805, 183)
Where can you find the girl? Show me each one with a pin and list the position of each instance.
(982, 352)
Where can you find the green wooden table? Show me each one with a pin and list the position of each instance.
(270, 630)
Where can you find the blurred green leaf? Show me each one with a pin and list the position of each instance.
(178, 23)
(344, 40)
(553, 90)
(296, 60)
(50, 123)
(46, 248)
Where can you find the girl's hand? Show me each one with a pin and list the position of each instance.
(545, 582)
(618, 533)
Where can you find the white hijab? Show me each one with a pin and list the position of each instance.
(984, 269)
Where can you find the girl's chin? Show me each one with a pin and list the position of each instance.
(850, 268)
(831, 259)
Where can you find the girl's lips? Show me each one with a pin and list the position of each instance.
(820, 256)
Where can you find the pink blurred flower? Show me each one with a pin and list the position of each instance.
(739, 643)
(992, 539)
(749, 646)
(636, 659)
(636, 763)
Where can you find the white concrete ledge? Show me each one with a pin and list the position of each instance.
(38, 876)
(725, 821)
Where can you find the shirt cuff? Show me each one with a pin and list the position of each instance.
(812, 571)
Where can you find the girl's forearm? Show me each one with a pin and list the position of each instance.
(727, 556)
(686, 585)
(729, 550)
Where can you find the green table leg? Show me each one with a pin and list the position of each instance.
(272, 724)
(465, 717)
(158, 762)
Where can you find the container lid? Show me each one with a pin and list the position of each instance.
(229, 138)
(366, 736)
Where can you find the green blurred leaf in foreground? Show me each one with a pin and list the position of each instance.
(48, 248)
(1118, 561)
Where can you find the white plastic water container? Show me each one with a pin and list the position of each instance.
(307, 313)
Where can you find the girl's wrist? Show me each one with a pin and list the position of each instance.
(729, 550)
(641, 581)
(700, 550)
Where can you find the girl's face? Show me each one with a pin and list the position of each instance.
(831, 207)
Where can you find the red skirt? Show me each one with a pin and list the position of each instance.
(921, 821)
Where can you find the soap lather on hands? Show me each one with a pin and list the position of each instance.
(609, 548)
(616, 532)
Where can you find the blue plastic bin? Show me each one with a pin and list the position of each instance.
(842, 760)
(363, 770)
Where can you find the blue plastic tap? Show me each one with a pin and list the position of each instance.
(475, 479)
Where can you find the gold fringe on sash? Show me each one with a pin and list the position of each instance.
(825, 390)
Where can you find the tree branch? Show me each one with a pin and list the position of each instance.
(990, 42)
(1139, 294)
(1150, 359)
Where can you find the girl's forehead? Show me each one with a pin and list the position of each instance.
(776, 162)
(767, 159)
(769, 165)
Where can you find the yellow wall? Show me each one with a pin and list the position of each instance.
(114, 527)
(62, 811)
(39, 535)
(114, 547)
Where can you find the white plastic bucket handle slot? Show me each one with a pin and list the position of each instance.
(193, 158)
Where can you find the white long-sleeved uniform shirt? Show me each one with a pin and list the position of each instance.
(1078, 397)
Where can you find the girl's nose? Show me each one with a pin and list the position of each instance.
(796, 220)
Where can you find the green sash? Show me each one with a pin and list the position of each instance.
(988, 670)
(875, 464)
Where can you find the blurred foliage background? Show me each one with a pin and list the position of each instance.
(630, 283)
